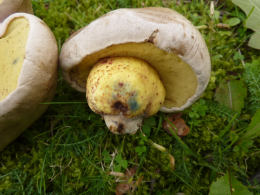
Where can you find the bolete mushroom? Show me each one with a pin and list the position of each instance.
(8, 7)
(28, 72)
(133, 62)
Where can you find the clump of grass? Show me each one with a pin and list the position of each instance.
(70, 151)
(252, 79)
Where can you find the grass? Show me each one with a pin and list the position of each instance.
(70, 151)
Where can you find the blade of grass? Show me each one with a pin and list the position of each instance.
(42, 181)
(57, 103)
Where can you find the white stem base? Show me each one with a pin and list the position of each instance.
(118, 124)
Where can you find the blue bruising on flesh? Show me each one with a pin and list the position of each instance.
(122, 89)
(133, 105)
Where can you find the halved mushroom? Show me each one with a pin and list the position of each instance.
(114, 44)
(28, 71)
(8, 7)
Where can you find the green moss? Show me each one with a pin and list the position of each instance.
(70, 151)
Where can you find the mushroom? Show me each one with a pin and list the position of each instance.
(28, 72)
(134, 62)
(8, 7)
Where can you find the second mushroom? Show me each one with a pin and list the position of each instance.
(134, 62)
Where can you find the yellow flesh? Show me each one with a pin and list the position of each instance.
(1, 1)
(12, 53)
(124, 85)
(177, 76)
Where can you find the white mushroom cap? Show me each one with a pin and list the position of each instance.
(8, 7)
(161, 28)
(36, 82)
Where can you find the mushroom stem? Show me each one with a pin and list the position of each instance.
(118, 124)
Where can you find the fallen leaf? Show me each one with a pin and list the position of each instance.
(130, 172)
(232, 94)
(177, 124)
(252, 10)
(122, 188)
(228, 185)
(129, 185)
(233, 21)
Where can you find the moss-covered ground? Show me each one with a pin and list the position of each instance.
(70, 151)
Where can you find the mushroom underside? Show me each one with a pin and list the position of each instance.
(178, 78)
(12, 53)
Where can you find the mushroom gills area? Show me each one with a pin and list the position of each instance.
(12, 53)
(178, 78)
(126, 89)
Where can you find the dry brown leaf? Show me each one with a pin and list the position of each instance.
(127, 187)
(130, 172)
(122, 188)
(177, 124)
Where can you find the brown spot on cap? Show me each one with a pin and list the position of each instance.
(152, 38)
(180, 51)
(103, 61)
(119, 106)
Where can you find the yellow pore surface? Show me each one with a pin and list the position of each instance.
(1, 1)
(178, 78)
(12, 53)
(124, 85)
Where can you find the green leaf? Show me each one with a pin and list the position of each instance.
(228, 185)
(231, 94)
(233, 21)
(221, 186)
(238, 188)
(147, 125)
(252, 10)
(216, 14)
(146, 129)
(106, 156)
(121, 162)
(255, 41)
(243, 147)
(238, 56)
(140, 150)
(253, 130)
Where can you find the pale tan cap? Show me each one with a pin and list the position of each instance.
(36, 82)
(160, 36)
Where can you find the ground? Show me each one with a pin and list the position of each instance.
(70, 151)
